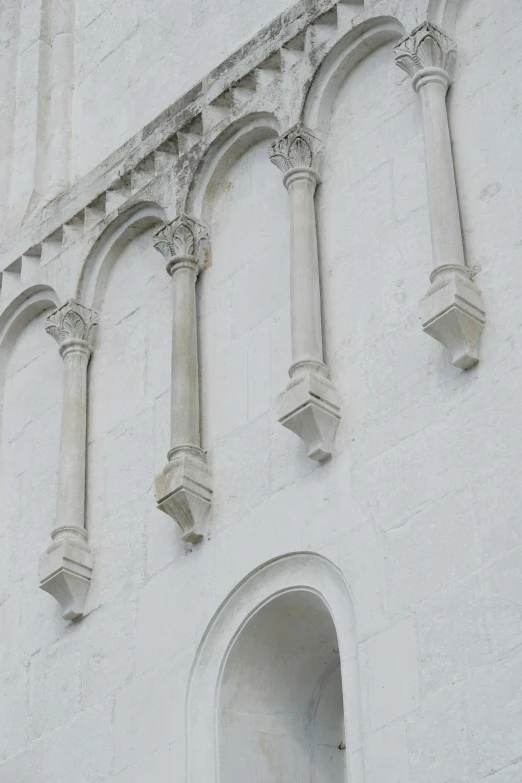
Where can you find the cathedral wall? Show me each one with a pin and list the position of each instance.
(419, 506)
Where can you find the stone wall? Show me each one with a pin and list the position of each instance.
(411, 530)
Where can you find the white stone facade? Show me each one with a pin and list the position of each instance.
(244, 574)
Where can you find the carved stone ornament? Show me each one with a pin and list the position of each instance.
(72, 321)
(183, 237)
(426, 47)
(295, 149)
(310, 407)
(184, 492)
(66, 570)
(453, 313)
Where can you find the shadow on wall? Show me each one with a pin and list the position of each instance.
(281, 704)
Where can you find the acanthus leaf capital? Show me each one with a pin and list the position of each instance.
(298, 147)
(427, 46)
(184, 236)
(72, 321)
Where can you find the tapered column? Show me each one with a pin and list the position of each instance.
(310, 405)
(453, 309)
(184, 489)
(66, 566)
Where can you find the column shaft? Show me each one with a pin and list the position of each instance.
(307, 337)
(442, 191)
(71, 472)
(185, 373)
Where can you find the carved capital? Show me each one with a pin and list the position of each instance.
(426, 47)
(183, 237)
(298, 148)
(72, 321)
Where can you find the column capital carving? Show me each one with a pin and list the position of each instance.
(184, 239)
(426, 47)
(72, 324)
(298, 148)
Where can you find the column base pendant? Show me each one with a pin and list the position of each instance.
(66, 570)
(310, 408)
(184, 492)
(453, 313)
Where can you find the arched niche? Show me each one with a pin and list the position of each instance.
(221, 155)
(274, 691)
(107, 248)
(239, 195)
(344, 56)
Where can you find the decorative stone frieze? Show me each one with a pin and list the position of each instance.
(310, 405)
(453, 309)
(184, 489)
(66, 566)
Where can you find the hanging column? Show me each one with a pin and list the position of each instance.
(310, 405)
(66, 566)
(184, 489)
(453, 309)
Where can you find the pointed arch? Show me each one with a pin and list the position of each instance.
(102, 256)
(344, 56)
(302, 572)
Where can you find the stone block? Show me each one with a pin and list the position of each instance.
(453, 638)
(54, 687)
(494, 718)
(259, 394)
(154, 768)
(66, 759)
(106, 657)
(364, 571)
(149, 712)
(437, 736)
(13, 710)
(168, 594)
(129, 460)
(431, 551)
(386, 753)
(241, 460)
(503, 604)
(389, 672)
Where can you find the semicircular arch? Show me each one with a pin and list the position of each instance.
(344, 56)
(104, 253)
(27, 305)
(223, 152)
